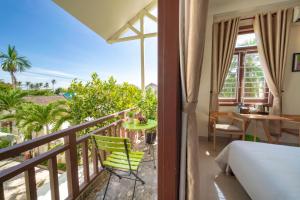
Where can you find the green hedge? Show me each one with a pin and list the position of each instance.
(4, 143)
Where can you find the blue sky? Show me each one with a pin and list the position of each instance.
(61, 47)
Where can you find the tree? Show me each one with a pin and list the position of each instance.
(12, 63)
(148, 104)
(5, 86)
(53, 83)
(98, 98)
(27, 85)
(19, 83)
(10, 101)
(35, 118)
(46, 85)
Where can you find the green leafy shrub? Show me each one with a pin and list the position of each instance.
(148, 104)
(4, 143)
(99, 98)
(61, 166)
(45, 92)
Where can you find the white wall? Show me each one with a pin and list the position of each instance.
(220, 8)
(291, 97)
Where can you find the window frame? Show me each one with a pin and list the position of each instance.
(241, 52)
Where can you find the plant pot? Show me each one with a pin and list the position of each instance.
(27, 155)
(150, 137)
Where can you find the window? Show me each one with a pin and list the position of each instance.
(229, 90)
(245, 81)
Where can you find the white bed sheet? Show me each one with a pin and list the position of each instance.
(266, 171)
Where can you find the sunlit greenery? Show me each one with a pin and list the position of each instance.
(230, 86)
(253, 82)
(91, 100)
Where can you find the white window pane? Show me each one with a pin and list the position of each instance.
(254, 80)
(229, 90)
(246, 40)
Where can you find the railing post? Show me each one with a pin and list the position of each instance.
(85, 158)
(54, 185)
(30, 183)
(95, 160)
(72, 166)
(1, 191)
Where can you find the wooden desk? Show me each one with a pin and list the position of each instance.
(295, 119)
(264, 119)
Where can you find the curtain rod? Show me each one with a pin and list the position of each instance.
(250, 13)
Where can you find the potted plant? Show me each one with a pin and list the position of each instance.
(150, 136)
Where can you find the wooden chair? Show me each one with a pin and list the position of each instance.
(295, 129)
(231, 128)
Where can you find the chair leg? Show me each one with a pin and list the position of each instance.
(107, 185)
(133, 189)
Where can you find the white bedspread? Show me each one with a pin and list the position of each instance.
(266, 171)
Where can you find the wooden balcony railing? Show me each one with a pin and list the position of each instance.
(71, 143)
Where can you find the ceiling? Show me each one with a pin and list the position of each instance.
(105, 17)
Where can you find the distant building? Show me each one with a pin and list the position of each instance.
(153, 86)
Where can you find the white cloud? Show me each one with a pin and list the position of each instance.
(51, 72)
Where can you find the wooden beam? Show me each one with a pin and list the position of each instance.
(169, 100)
(129, 38)
(142, 54)
(134, 29)
(150, 16)
(117, 34)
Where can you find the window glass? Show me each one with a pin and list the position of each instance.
(246, 40)
(245, 82)
(230, 85)
(254, 80)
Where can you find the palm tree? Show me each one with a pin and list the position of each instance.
(12, 63)
(41, 85)
(19, 83)
(53, 83)
(36, 117)
(36, 85)
(46, 85)
(27, 85)
(10, 101)
(67, 116)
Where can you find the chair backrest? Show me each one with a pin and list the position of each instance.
(110, 144)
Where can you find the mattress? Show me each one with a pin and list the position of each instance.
(266, 171)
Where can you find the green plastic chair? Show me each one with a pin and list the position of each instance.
(120, 158)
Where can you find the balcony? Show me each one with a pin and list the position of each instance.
(84, 176)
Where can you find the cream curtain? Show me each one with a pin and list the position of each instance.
(224, 39)
(272, 34)
(192, 25)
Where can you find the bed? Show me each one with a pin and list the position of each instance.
(266, 171)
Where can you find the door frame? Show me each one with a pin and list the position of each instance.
(169, 100)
